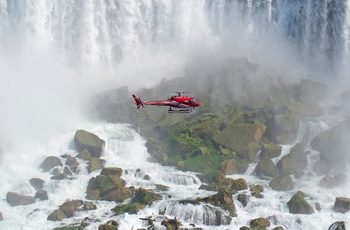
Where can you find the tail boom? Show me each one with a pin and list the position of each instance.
(137, 101)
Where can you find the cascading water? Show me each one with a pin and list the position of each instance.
(55, 54)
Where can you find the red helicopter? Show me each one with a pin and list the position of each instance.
(184, 103)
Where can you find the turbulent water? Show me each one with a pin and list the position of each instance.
(55, 54)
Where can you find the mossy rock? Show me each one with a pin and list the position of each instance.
(342, 204)
(282, 183)
(239, 184)
(244, 139)
(131, 208)
(265, 167)
(145, 196)
(298, 205)
(259, 223)
(270, 151)
(295, 161)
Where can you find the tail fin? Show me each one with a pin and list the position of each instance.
(138, 101)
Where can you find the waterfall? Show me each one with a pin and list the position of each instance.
(110, 32)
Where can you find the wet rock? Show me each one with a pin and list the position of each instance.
(67, 171)
(239, 184)
(243, 139)
(171, 223)
(89, 141)
(321, 167)
(209, 187)
(257, 190)
(298, 205)
(244, 228)
(56, 215)
(60, 176)
(89, 206)
(228, 167)
(36, 183)
(282, 183)
(342, 204)
(259, 223)
(69, 207)
(95, 164)
(145, 196)
(278, 228)
(293, 162)
(338, 225)
(84, 155)
(108, 186)
(243, 199)
(107, 227)
(222, 199)
(15, 199)
(41, 195)
(341, 179)
(1, 218)
(270, 151)
(328, 182)
(265, 167)
(161, 187)
(72, 162)
(50, 162)
(331, 145)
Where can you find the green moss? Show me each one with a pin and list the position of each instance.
(131, 208)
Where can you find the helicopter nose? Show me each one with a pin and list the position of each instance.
(198, 103)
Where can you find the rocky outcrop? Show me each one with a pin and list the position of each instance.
(332, 145)
(222, 199)
(259, 223)
(294, 162)
(84, 140)
(265, 167)
(69, 207)
(37, 183)
(338, 225)
(270, 150)
(298, 205)
(56, 215)
(108, 186)
(41, 195)
(239, 184)
(15, 199)
(50, 162)
(141, 199)
(1, 218)
(342, 204)
(244, 139)
(282, 183)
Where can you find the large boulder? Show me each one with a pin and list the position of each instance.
(342, 204)
(244, 139)
(108, 186)
(298, 205)
(15, 199)
(145, 196)
(265, 167)
(89, 141)
(222, 199)
(332, 145)
(259, 223)
(50, 162)
(282, 183)
(69, 207)
(56, 215)
(37, 183)
(270, 151)
(294, 162)
(338, 225)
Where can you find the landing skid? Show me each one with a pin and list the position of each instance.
(187, 110)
